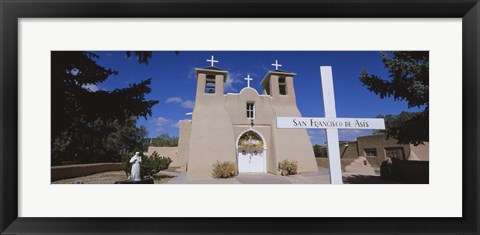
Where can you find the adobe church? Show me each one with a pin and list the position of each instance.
(241, 128)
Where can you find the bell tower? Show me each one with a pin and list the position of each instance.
(212, 136)
(285, 143)
(279, 84)
(210, 81)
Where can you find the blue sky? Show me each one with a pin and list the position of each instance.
(174, 83)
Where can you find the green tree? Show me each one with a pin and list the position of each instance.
(142, 56)
(409, 81)
(93, 126)
(319, 151)
(98, 141)
(164, 140)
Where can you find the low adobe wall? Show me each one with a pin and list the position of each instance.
(323, 162)
(171, 152)
(78, 170)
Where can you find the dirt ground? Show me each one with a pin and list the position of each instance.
(180, 178)
(108, 178)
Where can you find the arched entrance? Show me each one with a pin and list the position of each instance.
(251, 152)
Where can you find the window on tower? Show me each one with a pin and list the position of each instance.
(282, 86)
(250, 110)
(210, 84)
(266, 89)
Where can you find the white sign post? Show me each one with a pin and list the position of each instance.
(331, 123)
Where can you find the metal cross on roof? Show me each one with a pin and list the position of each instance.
(276, 65)
(212, 61)
(248, 78)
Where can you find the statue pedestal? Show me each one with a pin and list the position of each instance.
(144, 181)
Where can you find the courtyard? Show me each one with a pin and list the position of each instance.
(171, 176)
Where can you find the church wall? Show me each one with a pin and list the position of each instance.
(184, 141)
(294, 144)
(288, 100)
(291, 144)
(212, 136)
(272, 164)
(236, 106)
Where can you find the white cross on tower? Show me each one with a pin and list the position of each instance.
(212, 61)
(331, 123)
(248, 78)
(276, 65)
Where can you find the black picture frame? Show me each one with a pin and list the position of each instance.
(11, 11)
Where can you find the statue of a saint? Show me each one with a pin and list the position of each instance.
(135, 176)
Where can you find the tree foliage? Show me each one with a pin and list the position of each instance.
(409, 81)
(407, 126)
(319, 151)
(142, 56)
(93, 125)
(164, 140)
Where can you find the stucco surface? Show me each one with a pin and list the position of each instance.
(171, 152)
(219, 119)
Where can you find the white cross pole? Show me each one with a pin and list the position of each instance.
(276, 65)
(332, 134)
(212, 61)
(331, 123)
(248, 78)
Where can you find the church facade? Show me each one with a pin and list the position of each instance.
(241, 127)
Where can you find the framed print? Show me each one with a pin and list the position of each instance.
(262, 94)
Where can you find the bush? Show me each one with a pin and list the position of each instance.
(224, 170)
(287, 167)
(386, 170)
(149, 166)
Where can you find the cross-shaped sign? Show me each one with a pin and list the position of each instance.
(331, 123)
(276, 65)
(248, 78)
(212, 61)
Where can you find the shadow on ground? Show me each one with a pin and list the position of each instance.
(161, 179)
(366, 179)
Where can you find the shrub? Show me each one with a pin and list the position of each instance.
(287, 167)
(224, 170)
(386, 170)
(149, 166)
